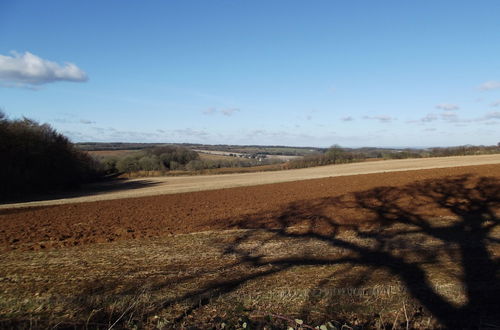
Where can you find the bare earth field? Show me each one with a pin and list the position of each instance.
(405, 249)
(235, 208)
(173, 185)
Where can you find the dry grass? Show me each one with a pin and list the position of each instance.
(213, 277)
(399, 266)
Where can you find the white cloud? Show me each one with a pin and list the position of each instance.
(382, 119)
(447, 107)
(495, 104)
(24, 70)
(229, 112)
(347, 118)
(489, 85)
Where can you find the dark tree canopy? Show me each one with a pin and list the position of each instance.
(36, 158)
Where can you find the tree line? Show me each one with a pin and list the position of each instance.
(36, 158)
(169, 158)
(339, 155)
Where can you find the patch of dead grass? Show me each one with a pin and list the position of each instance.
(184, 279)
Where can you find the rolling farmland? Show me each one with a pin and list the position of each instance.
(361, 250)
(172, 185)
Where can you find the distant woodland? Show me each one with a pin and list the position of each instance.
(35, 158)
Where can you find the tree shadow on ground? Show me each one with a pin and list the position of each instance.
(90, 189)
(399, 230)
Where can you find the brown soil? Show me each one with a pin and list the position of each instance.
(245, 207)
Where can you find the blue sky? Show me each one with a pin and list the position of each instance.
(302, 73)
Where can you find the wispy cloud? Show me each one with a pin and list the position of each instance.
(447, 107)
(229, 112)
(430, 117)
(495, 104)
(310, 114)
(19, 85)
(210, 111)
(29, 70)
(226, 112)
(185, 133)
(69, 120)
(86, 121)
(493, 115)
(347, 118)
(160, 135)
(492, 122)
(489, 85)
(449, 116)
(382, 118)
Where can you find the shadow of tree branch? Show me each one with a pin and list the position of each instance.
(401, 230)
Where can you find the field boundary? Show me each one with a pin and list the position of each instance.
(152, 186)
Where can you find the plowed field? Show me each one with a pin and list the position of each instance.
(262, 206)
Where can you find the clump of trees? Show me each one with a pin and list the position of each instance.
(333, 155)
(163, 158)
(36, 158)
(170, 158)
